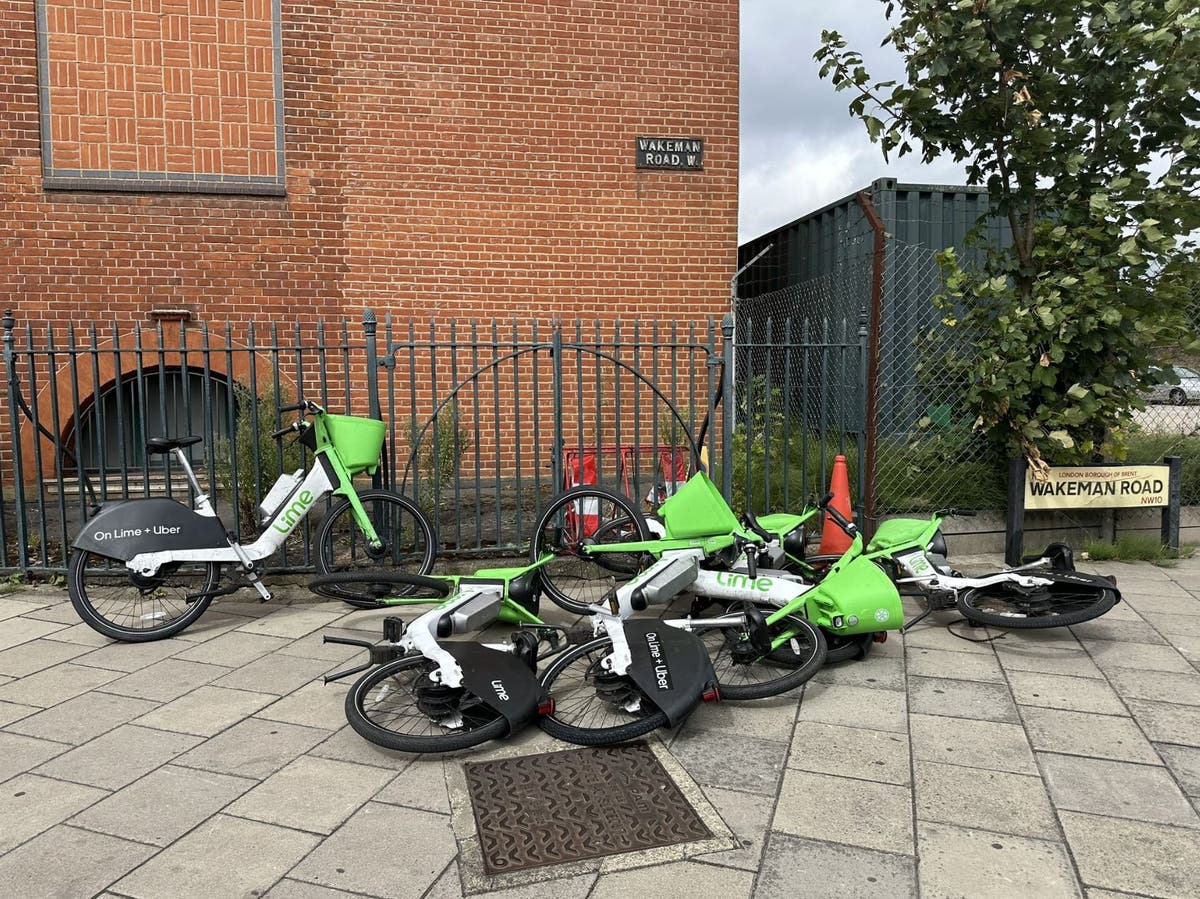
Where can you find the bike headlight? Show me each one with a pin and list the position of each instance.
(938, 544)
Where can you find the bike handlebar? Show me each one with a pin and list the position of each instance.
(283, 432)
(295, 407)
(838, 518)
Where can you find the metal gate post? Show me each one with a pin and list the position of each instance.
(14, 414)
(868, 525)
(557, 444)
(370, 327)
(727, 411)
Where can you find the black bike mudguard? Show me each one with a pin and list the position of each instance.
(670, 665)
(501, 681)
(123, 530)
(1079, 577)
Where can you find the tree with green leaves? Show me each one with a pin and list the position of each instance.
(1080, 118)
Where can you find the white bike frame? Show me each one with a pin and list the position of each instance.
(311, 490)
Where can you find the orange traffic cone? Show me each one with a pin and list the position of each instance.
(833, 539)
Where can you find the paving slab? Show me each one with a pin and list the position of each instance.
(769, 719)
(206, 711)
(11, 608)
(233, 649)
(298, 889)
(1165, 601)
(165, 680)
(1170, 625)
(722, 759)
(449, 886)
(37, 655)
(877, 671)
(68, 862)
(796, 868)
(961, 699)
(82, 634)
(313, 705)
(1164, 864)
(1184, 763)
(991, 745)
(957, 862)
(1116, 629)
(1057, 691)
(14, 711)
(19, 754)
(21, 630)
(351, 858)
(420, 785)
(1082, 733)
(854, 707)
(850, 752)
(30, 804)
(347, 746)
(292, 622)
(940, 663)
(841, 810)
(996, 801)
(931, 636)
(1116, 789)
(254, 747)
(702, 880)
(1166, 722)
(748, 817)
(82, 718)
(276, 674)
(164, 805)
(1112, 654)
(119, 757)
(1072, 661)
(129, 657)
(311, 794)
(224, 856)
(1161, 686)
(54, 685)
(1189, 647)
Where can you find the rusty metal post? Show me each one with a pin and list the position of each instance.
(874, 327)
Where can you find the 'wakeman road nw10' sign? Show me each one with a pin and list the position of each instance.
(1099, 487)
(669, 152)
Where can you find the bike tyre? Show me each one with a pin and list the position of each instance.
(591, 736)
(77, 577)
(1103, 599)
(549, 538)
(362, 598)
(357, 715)
(795, 670)
(408, 586)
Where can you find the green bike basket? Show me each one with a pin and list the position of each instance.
(358, 441)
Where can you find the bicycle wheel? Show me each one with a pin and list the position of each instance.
(745, 672)
(582, 517)
(399, 584)
(339, 546)
(126, 606)
(397, 706)
(591, 706)
(1058, 605)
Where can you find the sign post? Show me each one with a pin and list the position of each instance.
(1110, 486)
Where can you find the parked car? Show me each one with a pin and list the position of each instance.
(1186, 391)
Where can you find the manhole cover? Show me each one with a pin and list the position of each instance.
(561, 807)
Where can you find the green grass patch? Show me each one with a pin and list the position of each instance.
(1136, 548)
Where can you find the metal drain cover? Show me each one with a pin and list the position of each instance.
(562, 807)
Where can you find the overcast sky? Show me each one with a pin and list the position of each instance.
(800, 150)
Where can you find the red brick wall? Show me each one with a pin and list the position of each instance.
(442, 159)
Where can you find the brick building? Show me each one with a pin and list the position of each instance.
(222, 162)
(272, 158)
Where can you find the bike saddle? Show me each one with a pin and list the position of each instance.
(1061, 557)
(166, 444)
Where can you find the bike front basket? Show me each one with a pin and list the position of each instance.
(358, 441)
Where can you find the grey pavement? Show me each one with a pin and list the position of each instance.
(1060, 764)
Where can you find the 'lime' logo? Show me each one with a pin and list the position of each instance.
(882, 615)
(293, 513)
(744, 582)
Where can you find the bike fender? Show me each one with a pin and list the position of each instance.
(670, 665)
(125, 529)
(1078, 577)
(501, 681)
